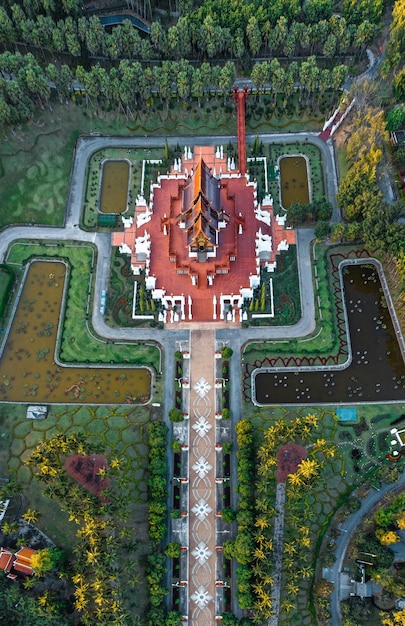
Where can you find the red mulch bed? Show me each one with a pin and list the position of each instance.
(84, 469)
(288, 459)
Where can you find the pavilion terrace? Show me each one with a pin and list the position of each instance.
(203, 239)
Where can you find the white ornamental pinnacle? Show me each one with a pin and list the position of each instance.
(202, 467)
(202, 387)
(201, 427)
(202, 509)
(201, 597)
(201, 553)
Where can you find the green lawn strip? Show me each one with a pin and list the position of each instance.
(6, 284)
(286, 292)
(79, 343)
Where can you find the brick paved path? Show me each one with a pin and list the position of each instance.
(202, 554)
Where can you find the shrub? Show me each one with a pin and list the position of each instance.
(228, 515)
(226, 352)
(176, 445)
(226, 414)
(173, 550)
(176, 415)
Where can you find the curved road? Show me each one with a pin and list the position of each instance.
(348, 528)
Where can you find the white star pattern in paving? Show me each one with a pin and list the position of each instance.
(201, 553)
(202, 387)
(201, 509)
(202, 467)
(201, 427)
(201, 597)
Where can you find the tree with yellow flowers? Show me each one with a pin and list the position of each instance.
(386, 538)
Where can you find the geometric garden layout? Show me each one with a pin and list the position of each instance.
(203, 433)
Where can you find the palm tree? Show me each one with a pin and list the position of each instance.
(31, 516)
(287, 606)
(262, 523)
(10, 528)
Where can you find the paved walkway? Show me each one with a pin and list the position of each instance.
(278, 546)
(202, 473)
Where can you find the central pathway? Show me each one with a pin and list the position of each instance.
(202, 505)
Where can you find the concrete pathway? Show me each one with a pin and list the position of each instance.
(278, 546)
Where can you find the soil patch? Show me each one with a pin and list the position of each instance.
(85, 469)
(288, 459)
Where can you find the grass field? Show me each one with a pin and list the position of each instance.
(36, 159)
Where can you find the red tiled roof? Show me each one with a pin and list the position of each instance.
(6, 560)
(170, 262)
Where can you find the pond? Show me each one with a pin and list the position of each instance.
(114, 186)
(28, 370)
(377, 370)
(294, 187)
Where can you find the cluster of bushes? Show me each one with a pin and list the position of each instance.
(156, 568)
(243, 545)
(7, 282)
(157, 482)
(389, 520)
(317, 211)
(258, 303)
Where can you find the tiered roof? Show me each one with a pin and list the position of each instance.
(200, 209)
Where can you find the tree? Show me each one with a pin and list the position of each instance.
(197, 85)
(316, 10)
(227, 78)
(254, 36)
(31, 516)
(399, 85)
(396, 45)
(7, 32)
(395, 117)
(45, 560)
(226, 352)
(322, 229)
(228, 515)
(330, 45)
(173, 618)
(386, 538)
(358, 10)
(173, 550)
